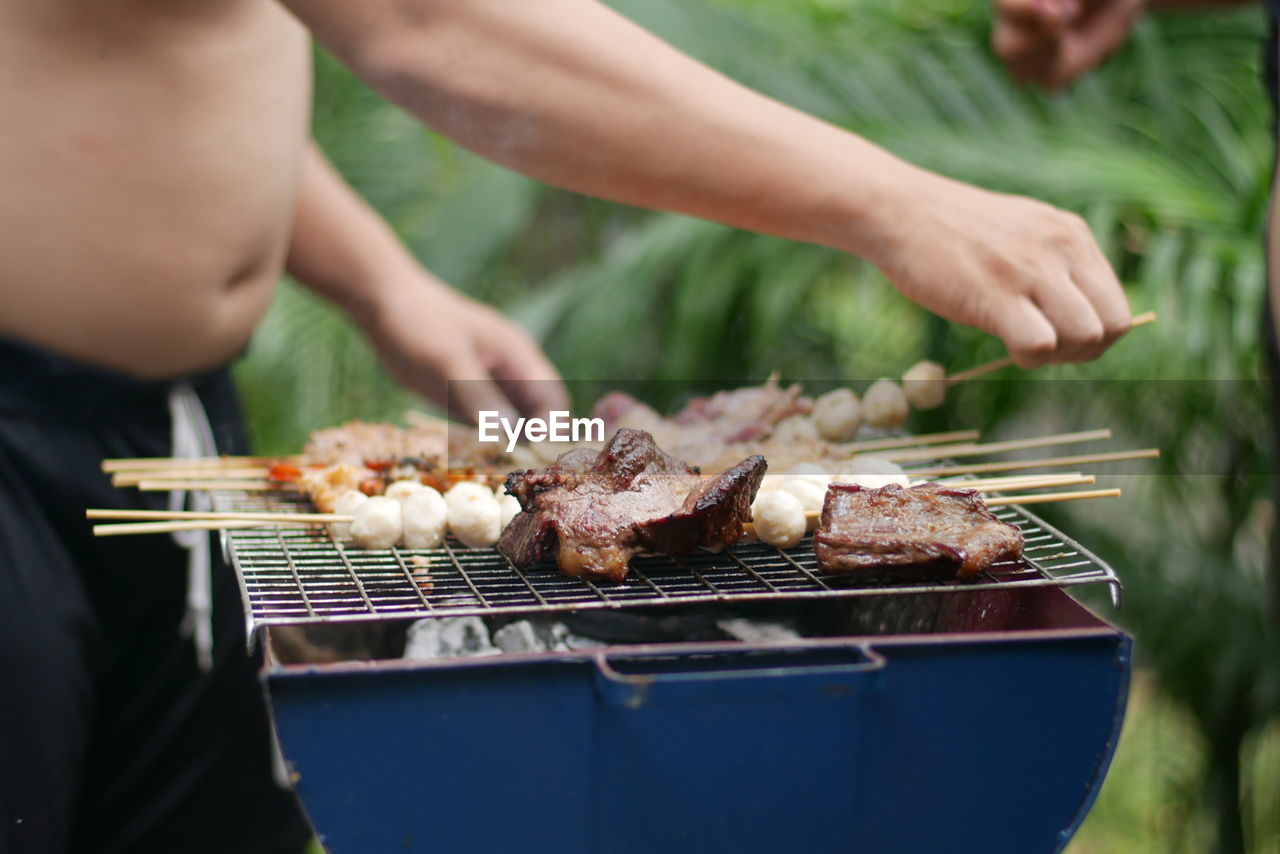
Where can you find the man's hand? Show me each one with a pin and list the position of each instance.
(452, 350)
(1051, 43)
(461, 354)
(1012, 266)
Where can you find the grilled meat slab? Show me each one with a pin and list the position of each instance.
(950, 530)
(593, 511)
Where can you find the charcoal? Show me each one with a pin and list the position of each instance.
(449, 637)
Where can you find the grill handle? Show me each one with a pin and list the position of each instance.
(635, 690)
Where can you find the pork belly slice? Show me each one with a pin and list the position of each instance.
(931, 527)
(593, 511)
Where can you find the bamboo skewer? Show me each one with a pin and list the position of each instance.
(133, 478)
(1009, 481)
(213, 485)
(130, 472)
(1136, 321)
(989, 484)
(969, 449)
(160, 463)
(179, 520)
(185, 525)
(169, 521)
(229, 473)
(893, 442)
(1043, 462)
(256, 485)
(979, 370)
(936, 452)
(171, 515)
(1051, 497)
(1043, 483)
(137, 470)
(964, 449)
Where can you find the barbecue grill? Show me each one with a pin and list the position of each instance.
(927, 716)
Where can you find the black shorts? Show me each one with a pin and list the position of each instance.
(112, 739)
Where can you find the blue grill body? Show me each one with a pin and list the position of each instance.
(990, 733)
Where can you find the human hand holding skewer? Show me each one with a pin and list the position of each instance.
(886, 404)
(986, 368)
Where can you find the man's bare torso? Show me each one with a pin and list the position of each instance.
(148, 164)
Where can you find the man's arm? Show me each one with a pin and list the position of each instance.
(426, 332)
(569, 92)
(1051, 43)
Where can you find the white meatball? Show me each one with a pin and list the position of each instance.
(872, 472)
(925, 385)
(811, 472)
(346, 504)
(466, 490)
(475, 517)
(871, 464)
(808, 493)
(837, 415)
(377, 524)
(508, 506)
(402, 489)
(795, 428)
(426, 517)
(778, 518)
(884, 405)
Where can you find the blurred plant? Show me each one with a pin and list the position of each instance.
(1166, 151)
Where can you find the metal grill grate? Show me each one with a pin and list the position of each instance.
(295, 575)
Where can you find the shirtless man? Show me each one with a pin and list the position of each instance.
(157, 178)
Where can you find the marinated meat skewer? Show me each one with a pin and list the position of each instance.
(594, 511)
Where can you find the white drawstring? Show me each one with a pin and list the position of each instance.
(193, 437)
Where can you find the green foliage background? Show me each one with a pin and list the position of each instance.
(1166, 152)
